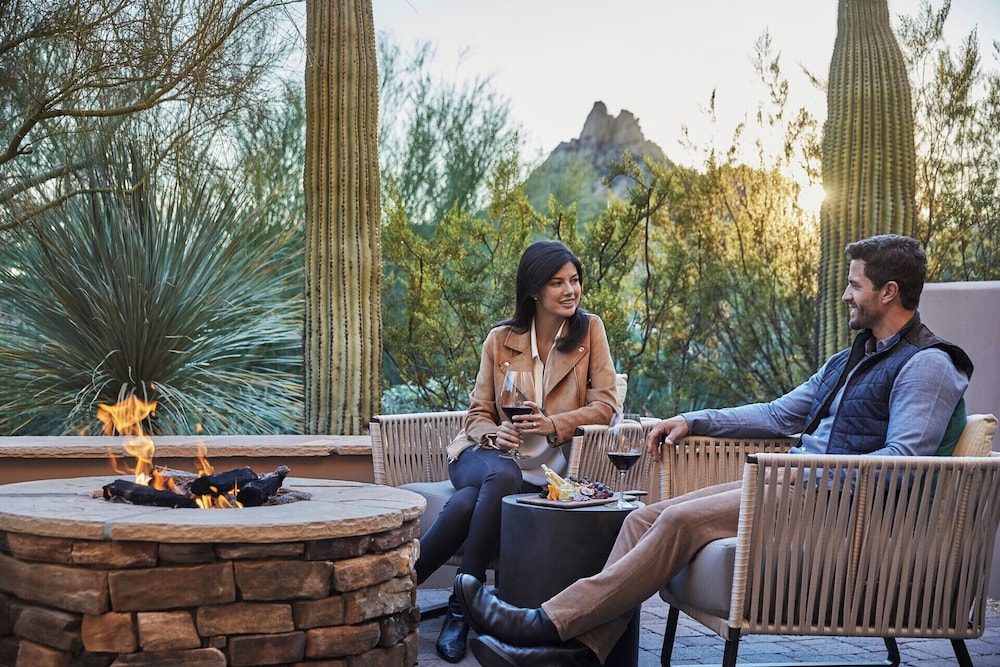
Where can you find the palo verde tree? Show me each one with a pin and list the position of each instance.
(448, 290)
(439, 140)
(717, 304)
(445, 149)
(956, 106)
(869, 160)
(78, 74)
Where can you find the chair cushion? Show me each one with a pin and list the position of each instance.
(621, 389)
(707, 581)
(977, 437)
(436, 494)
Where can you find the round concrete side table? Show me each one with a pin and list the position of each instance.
(544, 549)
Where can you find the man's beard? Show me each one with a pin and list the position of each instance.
(859, 321)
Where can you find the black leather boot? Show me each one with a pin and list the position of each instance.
(489, 615)
(451, 643)
(491, 652)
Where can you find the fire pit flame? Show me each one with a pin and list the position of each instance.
(126, 416)
(155, 485)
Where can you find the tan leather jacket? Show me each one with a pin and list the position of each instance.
(581, 384)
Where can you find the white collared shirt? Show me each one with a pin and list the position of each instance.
(536, 447)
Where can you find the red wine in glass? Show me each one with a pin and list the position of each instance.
(512, 410)
(623, 461)
(625, 433)
(518, 387)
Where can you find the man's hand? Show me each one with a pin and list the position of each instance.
(667, 431)
(779, 475)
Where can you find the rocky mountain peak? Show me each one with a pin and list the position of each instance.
(603, 134)
(584, 161)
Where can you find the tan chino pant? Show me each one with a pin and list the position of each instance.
(654, 544)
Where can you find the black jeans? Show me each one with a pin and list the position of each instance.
(470, 520)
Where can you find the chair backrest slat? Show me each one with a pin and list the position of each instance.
(697, 462)
(588, 458)
(873, 546)
(412, 447)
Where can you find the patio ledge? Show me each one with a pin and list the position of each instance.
(85, 447)
(343, 457)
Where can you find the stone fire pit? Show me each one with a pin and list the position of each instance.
(84, 581)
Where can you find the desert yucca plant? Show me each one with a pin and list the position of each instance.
(186, 297)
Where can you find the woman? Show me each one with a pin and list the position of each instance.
(566, 349)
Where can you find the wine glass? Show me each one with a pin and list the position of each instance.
(518, 387)
(625, 436)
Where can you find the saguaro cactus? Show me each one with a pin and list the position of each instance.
(869, 162)
(343, 321)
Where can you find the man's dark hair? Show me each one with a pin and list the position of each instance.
(893, 257)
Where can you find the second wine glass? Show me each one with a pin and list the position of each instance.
(518, 387)
(625, 433)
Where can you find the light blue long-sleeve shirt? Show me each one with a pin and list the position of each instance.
(921, 402)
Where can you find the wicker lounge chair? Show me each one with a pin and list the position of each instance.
(881, 547)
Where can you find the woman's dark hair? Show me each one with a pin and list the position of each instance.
(540, 261)
(893, 257)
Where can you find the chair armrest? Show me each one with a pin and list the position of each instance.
(865, 545)
(700, 461)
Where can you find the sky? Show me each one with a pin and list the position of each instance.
(659, 59)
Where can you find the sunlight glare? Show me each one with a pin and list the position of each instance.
(811, 198)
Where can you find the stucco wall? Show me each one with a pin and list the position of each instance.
(968, 314)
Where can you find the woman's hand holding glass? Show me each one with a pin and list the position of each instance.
(511, 433)
(508, 437)
(516, 398)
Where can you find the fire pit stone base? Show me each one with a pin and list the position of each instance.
(344, 598)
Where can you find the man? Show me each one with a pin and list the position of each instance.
(896, 391)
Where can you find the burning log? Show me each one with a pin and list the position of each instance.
(256, 493)
(223, 482)
(140, 494)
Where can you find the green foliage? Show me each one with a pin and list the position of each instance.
(705, 279)
(270, 157)
(443, 294)
(715, 304)
(140, 269)
(439, 141)
(957, 108)
(155, 290)
(192, 295)
(77, 74)
(570, 183)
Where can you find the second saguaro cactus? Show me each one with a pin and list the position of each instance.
(869, 163)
